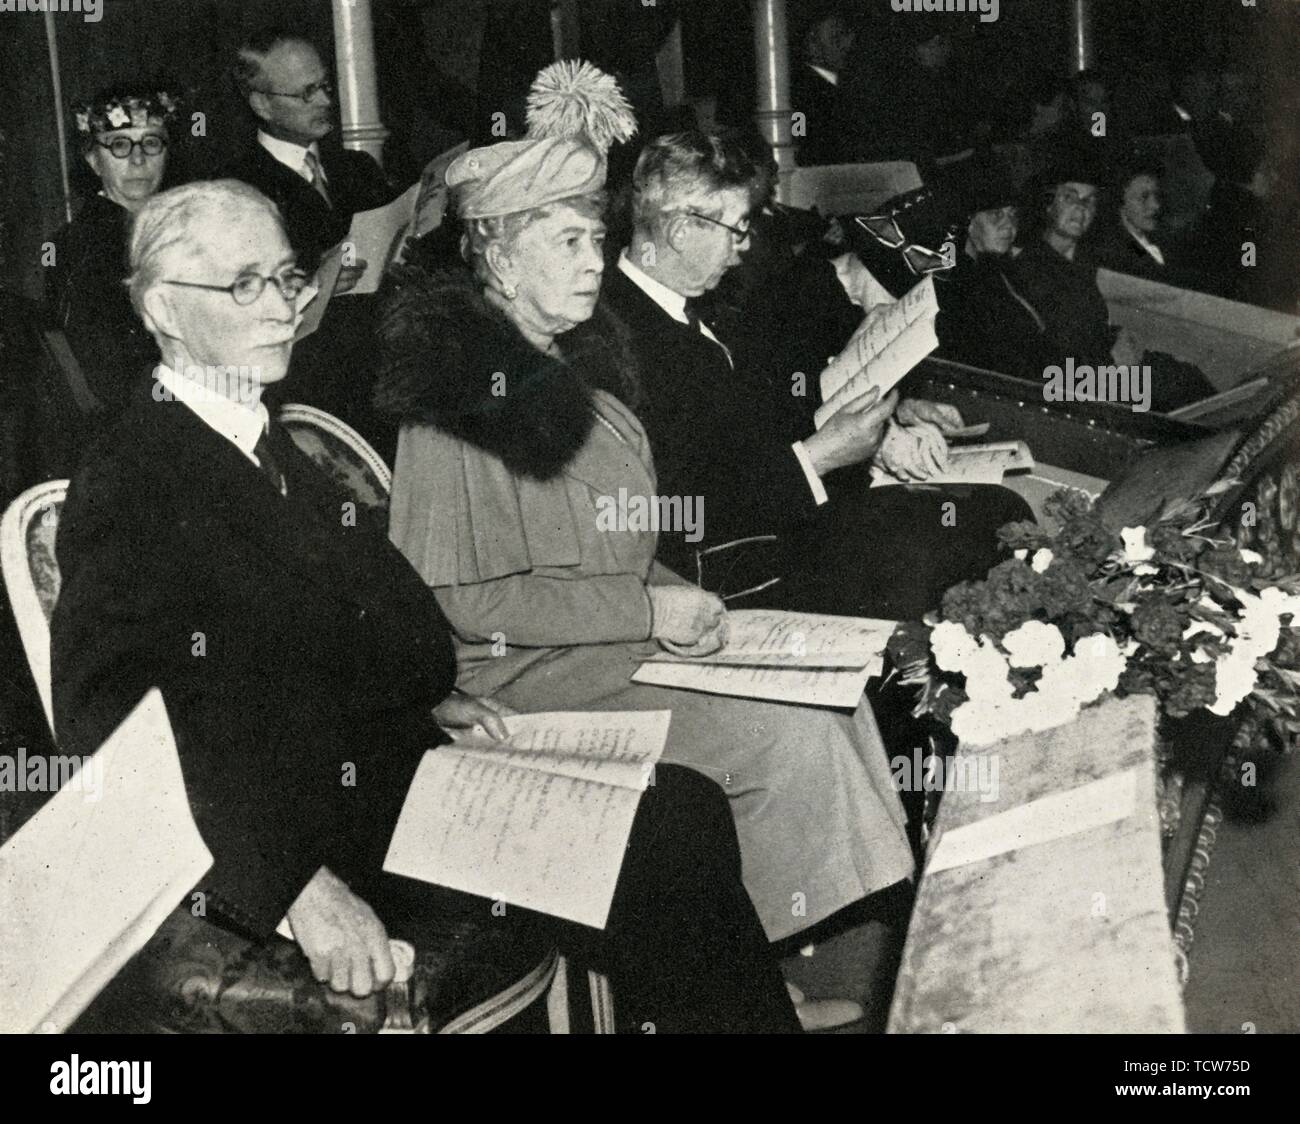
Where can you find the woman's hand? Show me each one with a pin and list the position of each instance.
(914, 410)
(459, 711)
(684, 615)
(913, 453)
(706, 645)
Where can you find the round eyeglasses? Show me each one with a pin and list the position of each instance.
(122, 147)
(247, 287)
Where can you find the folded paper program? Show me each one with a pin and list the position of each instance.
(891, 340)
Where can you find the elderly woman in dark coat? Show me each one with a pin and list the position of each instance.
(518, 433)
(125, 136)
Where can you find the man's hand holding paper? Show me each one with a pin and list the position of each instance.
(853, 433)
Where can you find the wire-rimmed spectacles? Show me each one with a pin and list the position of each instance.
(247, 287)
(122, 147)
(737, 232)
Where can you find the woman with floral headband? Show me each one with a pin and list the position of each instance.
(124, 133)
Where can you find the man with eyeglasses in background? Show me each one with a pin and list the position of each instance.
(318, 187)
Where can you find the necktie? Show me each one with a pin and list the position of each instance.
(317, 176)
(697, 324)
(267, 462)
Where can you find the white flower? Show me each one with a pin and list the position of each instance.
(1136, 551)
(1234, 679)
(1042, 559)
(83, 121)
(952, 645)
(1197, 627)
(1200, 655)
(1096, 666)
(986, 674)
(1034, 644)
(118, 117)
(1253, 557)
(1022, 554)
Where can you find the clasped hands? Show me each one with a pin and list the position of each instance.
(905, 438)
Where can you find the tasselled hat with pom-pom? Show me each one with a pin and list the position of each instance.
(575, 112)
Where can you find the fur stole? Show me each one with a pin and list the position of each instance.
(452, 360)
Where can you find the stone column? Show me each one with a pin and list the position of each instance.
(56, 88)
(1082, 47)
(354, 55)
(772, 51)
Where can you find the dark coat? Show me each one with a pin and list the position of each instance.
(355, 183)
(712, 430)
(85, 290)
(286, 643)
(822, 105)
(986, 321)
(1115, 248)
(1066, 295)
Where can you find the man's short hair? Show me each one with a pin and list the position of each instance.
(250, 54)
(686, 171)
(167, 220)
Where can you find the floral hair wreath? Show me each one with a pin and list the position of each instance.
(125, 111)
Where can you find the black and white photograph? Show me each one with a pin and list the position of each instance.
(649, 517)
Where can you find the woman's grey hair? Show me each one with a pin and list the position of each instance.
(504, 230)
(167, 220)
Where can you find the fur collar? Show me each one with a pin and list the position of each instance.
(449, 358)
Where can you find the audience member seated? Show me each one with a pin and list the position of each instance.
(1243, 246)
(1057, 273)
(318, 187)
(1127, 240)
(320, 648)
(815, 92)
(902, 94)
(776, 531)
(985, 320)
(124, 133)
(519, 439)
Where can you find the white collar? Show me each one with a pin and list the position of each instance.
(670, 301)
(239, 423)
(829, 75)
(1142, 240)
(292, 156)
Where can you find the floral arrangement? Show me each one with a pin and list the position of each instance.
(1081, 610)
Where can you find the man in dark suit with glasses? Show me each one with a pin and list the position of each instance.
(318, 187)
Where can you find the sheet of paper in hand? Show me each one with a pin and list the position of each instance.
(87, 880)
(540, 821)
(378, 237)
(375, 237)
(890, 341)
(315, 298)
(972, 464)
(807, 658)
